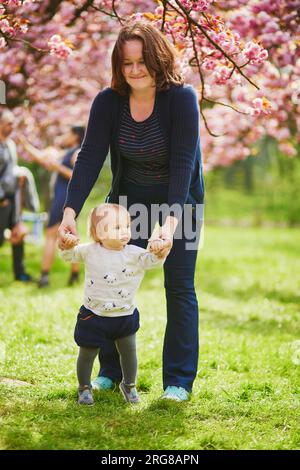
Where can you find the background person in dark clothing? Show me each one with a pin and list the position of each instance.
(10, 196)
(63, 166)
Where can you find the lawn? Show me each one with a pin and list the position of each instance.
(246, 395)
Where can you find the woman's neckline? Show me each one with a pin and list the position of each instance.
(152, 112)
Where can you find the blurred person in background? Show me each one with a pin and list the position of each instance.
(17, 188)
(63, 168)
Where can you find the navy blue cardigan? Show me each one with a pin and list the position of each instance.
(178, 115)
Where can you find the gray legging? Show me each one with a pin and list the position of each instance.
(127, 351)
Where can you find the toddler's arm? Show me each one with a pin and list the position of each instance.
(148, 259)
(75, 252)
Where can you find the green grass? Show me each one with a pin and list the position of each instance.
(268, 196)
(246, 395)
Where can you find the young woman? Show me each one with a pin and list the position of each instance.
(149, 119)
(63, 167)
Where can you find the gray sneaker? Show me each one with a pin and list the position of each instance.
(43, 281)
(129, 393)
(85, 396)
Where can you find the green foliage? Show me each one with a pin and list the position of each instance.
(247, 392)
(258, 191)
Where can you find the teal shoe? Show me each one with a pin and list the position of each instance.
(175, 393)
(102, 383)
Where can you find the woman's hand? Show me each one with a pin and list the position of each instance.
(167, 238)
(50, 163)
(67, 226)
(165, 233)
(18, 233)
(155, 245)
(20, 139)
(159, 247)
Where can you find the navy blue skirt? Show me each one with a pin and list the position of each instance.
(92, 330)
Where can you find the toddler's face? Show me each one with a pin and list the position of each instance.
(114, 229)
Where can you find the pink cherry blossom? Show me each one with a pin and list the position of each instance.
(2, 43)
(288, 149)
(58, 47)
(53, 66)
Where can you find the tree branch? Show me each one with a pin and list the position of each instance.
(80, 10)
(213, 42)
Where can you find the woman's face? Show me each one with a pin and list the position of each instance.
(134, 68)
(69, 139)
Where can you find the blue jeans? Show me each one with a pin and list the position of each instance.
(181, 341)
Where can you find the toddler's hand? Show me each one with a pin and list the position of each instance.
(70, 240)
(156, 245)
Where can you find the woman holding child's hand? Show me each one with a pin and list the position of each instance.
(149, 121)
(67, 226)
(161, 240)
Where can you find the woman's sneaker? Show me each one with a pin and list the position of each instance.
(129, 393)
(85, 396)
(175, 393)
(24, 277)
(102, 383)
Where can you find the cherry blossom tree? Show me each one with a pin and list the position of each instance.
(275, 25)
(241, 56)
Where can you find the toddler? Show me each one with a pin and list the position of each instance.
(113, 273)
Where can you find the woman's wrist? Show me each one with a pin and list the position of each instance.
(170, 225)
(69, 212)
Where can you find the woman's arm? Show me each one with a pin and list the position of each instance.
(63, 170)
(184, 140)
(185, 137)
(38, 156)
(68, 225)
(89, 162)
(42, 158)
(93, 151)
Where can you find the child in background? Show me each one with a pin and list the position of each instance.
(113, 273)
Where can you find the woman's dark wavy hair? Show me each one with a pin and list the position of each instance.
(79, 131)
(158, 53)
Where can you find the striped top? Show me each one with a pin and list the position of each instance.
(178, 112)
(143, 149)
